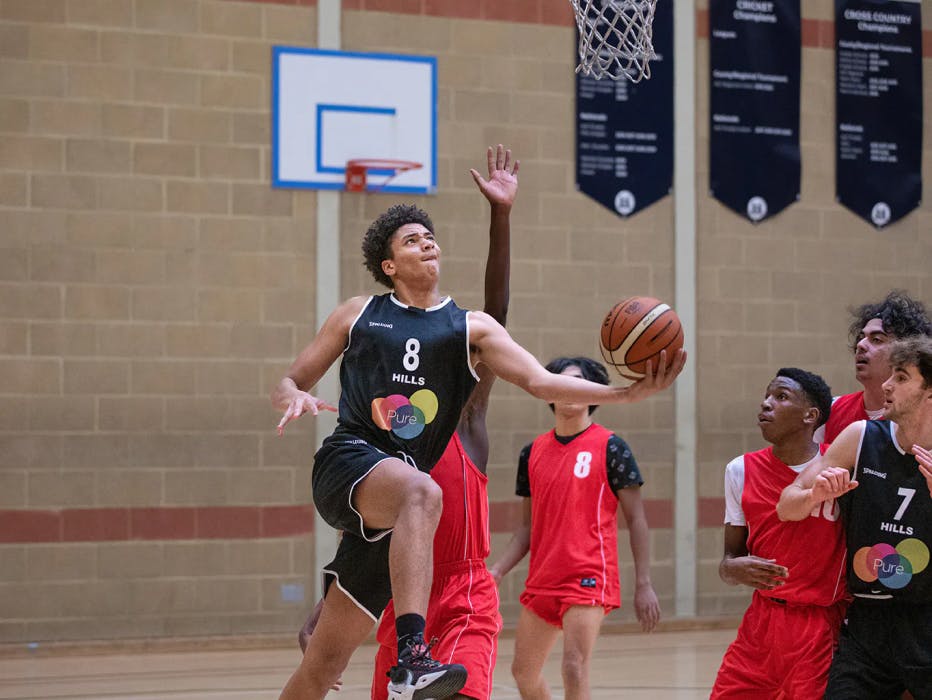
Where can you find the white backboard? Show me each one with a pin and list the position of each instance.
(329, 107)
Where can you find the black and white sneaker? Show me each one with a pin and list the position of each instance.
(418, 677)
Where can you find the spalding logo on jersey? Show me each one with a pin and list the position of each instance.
(406, 417)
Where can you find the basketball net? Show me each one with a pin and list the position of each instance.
(615, 38)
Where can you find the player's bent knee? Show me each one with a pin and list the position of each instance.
(424, 495)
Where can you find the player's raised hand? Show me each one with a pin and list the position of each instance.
(302, 403)
(832, 482)
(756, 572)
(502, 185)
(924, 457)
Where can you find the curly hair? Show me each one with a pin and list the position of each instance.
(590, 370)
(815, 389)
(376, 244)
(901, 316)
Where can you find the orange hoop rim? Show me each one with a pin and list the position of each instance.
(383, 164)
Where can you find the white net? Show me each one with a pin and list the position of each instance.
(615, 38)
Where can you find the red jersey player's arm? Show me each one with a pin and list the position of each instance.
(738, 566)
(646, 605)
(827, 477)
(500, 190)
(518, 546)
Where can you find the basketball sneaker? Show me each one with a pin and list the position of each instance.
(418, 677)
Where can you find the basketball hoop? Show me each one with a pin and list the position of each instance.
(357, 170)
(615, 38)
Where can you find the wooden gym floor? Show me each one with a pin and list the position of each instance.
(666, 665)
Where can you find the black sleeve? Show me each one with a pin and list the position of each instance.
(523, 483)
(621, 466)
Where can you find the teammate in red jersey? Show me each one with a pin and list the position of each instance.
(462, 614)
(873, 327)
(785, 641)
(572, 480)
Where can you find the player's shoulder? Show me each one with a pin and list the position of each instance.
(735, 466)
(354, 305)
(481, 321)
(856, 398)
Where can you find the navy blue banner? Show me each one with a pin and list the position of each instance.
(624, 130)
(754, 57)
(878, 108)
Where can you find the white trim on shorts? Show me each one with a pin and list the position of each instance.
(336, 582)
(362, 525)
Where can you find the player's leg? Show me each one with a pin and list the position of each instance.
(341, 628)
(581, 624)
(806, 639)
(385, 658)
(395, 495)
(534, 638)
(747, 671)
(464, 618)
(865, 664)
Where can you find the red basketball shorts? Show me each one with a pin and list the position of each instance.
(782, 650)
(552, 608)
(463, 615)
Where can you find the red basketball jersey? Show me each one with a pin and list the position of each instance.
(574, 526)
(845, 410)
(463, 531)
(812, 549)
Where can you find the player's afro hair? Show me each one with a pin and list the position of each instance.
(590, 369)
(901, 316)
(376, 244)
(815, 388)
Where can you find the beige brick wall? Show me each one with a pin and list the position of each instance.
(153, 287)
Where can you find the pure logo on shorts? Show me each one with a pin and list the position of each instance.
(893, 567)
(587, 582)
(405, 417)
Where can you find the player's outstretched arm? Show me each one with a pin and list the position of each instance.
(500, 190)
(924, 457)
(738, 566)
(829, 476)
(491, 345)
(290, 395)
(518, 546)
(646, 604)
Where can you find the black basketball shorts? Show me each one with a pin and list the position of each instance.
(342, 462)
(884, 649)
(360, 570)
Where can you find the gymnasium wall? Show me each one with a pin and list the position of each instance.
(153, 288)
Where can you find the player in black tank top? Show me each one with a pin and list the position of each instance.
(882, 473)
(405, 377)
(366, 491)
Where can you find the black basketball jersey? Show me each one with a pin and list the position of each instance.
(405, 377)
(888, 521)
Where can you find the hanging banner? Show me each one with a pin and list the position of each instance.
(754, 56)
(624, 130)
(878, 108)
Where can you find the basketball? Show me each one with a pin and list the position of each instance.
(635, 331)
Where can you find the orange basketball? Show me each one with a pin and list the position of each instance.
(635, 331)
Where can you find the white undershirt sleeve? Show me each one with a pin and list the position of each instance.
(734, 488)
